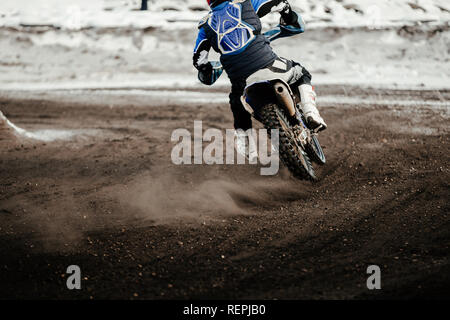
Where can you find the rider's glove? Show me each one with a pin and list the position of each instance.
(205, 72)
(209, 72)
(288, 16)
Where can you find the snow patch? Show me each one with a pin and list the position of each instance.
(181, 14)
(46, 135)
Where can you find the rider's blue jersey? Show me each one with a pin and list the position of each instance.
(226, 18)
(233, 29)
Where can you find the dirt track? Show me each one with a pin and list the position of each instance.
(140, 227)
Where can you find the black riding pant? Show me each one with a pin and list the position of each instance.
(242, 119)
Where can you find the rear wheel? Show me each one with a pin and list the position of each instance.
(290, 150)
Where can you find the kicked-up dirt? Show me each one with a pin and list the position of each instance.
(108, 199)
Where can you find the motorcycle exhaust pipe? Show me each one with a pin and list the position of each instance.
(284, 97)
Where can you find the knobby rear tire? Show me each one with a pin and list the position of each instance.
(291, 154)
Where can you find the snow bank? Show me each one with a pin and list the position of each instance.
(180, 14)
(12, 132)
(369, 13)
(110, 43)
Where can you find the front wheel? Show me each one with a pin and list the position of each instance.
(290, 151)
(314, 150)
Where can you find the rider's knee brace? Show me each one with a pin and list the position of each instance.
(305, 78)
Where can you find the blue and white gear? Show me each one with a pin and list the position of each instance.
(233, 34)
(296, 26)
(233, 29)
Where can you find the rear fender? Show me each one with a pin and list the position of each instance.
(259, 94)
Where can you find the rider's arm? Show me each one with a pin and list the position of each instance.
(201, 50)
(208, 72)
(200, 57)
(264, 7)
(291, 22)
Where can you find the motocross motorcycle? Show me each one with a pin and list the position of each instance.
(276, 104)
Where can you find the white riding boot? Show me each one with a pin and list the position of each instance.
(308, 96)
(245, 145)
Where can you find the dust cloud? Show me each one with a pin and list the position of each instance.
(165, 198)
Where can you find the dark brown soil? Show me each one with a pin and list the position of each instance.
(142, 228)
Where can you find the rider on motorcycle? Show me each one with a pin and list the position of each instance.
(245, 53)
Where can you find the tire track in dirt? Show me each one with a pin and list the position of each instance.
(382, 198)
